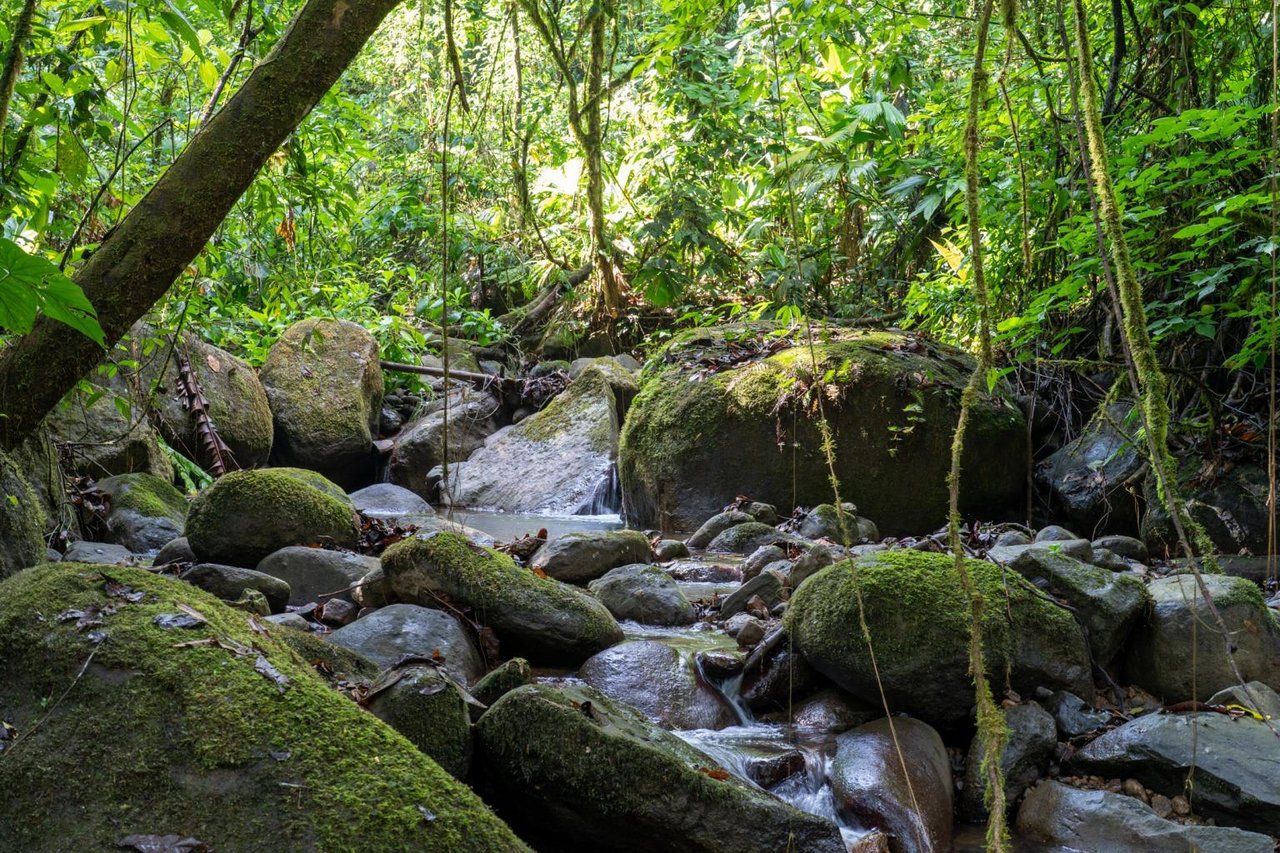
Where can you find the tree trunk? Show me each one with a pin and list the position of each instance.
(13, 59)
(593, 142)
(156, 241)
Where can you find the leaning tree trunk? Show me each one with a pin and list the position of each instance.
(151, 247)
(593, 142)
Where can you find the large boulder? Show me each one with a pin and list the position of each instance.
(229, 583)
(572, 769)
(1163, 659)
(559, 460)
(22, 520)
(644, 594)
(246, 515)
(583, 557)
(539, 618)
(1090, 480)
(1033, 736)
(146, 512)
(324, 383)
(661, 682)
(1232, 508)
(101, 433)
(391, 633)
(236, 401)
(37, 458)
(419, 446)
(317, 574)
(893, 774)
(389, 501)
(1237, 763)
(697, 436)
(918, 619)
(191, 720)
(1072, 819)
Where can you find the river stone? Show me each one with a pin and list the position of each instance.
(659, 681)
(229, 583)
(97, 440)
(571, 768)
(237, 402)
(389, 501)
(146, 512)
(830, 710)
(782, 674)
(315, 574)
(22, 520)
(1086, 478)
(768, 585)
(759, 558)
(1255, 696)
(507, 677)
(372, 590)
(174, 551)
(389, 633)
(582, 557)
(823, 522)
(325, 387)
(717, 524)
(1054, 533)
(246, 515)
(811, 562)
(426, 705)
(171, 731)
(917, 615)
(1123, 546)
(1232, 508)
(1237, 764)
(871, 789)
(1032, 739)
(419, 446)
(539, 618)
(1073, 716)
(745, 538)
(644, 594)
(670, 549)
(556, 461)
(103, 553)
(1076, 549)
(684, 426)
(1107, 604)
(1160, 655)
(1054, 813)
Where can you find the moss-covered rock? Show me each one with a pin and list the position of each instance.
(146, 512)
(247, 515)
(918, 619)
(575, 770)
(325, 387)
(22, 520)
(691, 445)
(539, 618)
(507, 677)
(747, 537)
(1232, 508)
(37, 459)
(427, 706)
(97, 439)
(161, 730)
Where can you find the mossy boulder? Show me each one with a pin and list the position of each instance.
(694, 440)
(22, 520)
(324, 383)
(572, 769)
(507, 677)
(99, 433)
(37, 459)
(247, 515)
(146, 512)
(918, 619)
(237, 402)
(217, 731)
(1231, 507)
(428, 707)
(559, 460)
(536, 617)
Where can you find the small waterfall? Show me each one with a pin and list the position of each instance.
(606, 497)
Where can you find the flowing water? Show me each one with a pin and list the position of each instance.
(505, 526)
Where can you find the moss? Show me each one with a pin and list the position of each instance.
(512, 674)
(147, 495)
(340, 663)
(562, 412)
(167, 732)
(246, 515)
(543, 618)
(426, 706)
(22, 520)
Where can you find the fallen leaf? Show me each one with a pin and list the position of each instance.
(174, 621)
(212, 361)
(162, 844)
(264, 668)
(717, 773)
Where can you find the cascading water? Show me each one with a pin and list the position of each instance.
(606, 497)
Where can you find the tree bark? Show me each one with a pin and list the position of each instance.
(149, 249)
(13, 59)
(592, 137)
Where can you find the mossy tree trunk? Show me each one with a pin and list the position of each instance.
(150, 248)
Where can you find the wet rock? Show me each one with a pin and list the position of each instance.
(146, 512)
(741, 623)
(679, 433)
(644, 594)
(1160, 655)
(230, 582)
(507, 677)
(97, 440)
(172, 734)
(659, 681)
(569, 763)
(1077, 549)
(1032, 738)
(102, 553)
(174, 551)
(871, 788)
(717, 524)
(781, 674)
(1124, 546)
(1073, 716)
(22, 520)
(247, 515)
(337, 612)
(1254, 695)
(324, 384)
(419, 446)
(1107, 604)
(745, 538)
(696, 571)
(719, 665)
(811, 562)
(768, 585)
(315, 574)
(1231, 507)
(831, 710)
(1237, 763)
(388, 501)
(1100, 820)
(1087, 479)
(560, 460)
(670, 549)
(770, 770)
(538, 618)
(916, 599)
(426, 705)
(582, 557)
(760, 558)
(389, 633)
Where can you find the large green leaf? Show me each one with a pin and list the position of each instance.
(29, 283)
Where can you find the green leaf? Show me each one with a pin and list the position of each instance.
(29, 283)
(179, 26)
